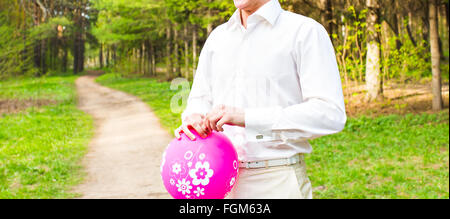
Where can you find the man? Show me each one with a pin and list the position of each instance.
(269, 80)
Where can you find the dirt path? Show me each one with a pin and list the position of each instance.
(124, 156)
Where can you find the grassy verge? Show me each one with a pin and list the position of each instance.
(41, 147)
(384, 157)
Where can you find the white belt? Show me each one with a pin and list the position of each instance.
(272, 163)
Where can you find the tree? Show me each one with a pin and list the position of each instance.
(374, 81)
(327, 15)
(435, 55)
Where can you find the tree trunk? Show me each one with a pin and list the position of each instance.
(395, 28)
(78, 55)
(186, 51)
(373, 67)
(114, 55)
(65, 59)
(426, 24)
(147, 61)
(24, 53)
(327, 15)
(194, 50)
(100, 57)
(108, 56)
(447, 16)
(169, 66)
(408, 29)
(78, 59)
(209, 27)
(141, 59)
(435, 55)
(82, 49)
(151, 56)
(38, 43)
(152, 48)
(176, 58)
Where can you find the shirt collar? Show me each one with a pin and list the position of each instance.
(269, 11)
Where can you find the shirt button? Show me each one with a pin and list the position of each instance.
(259, 136)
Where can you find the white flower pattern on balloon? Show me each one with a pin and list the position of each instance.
(176, 168)
(184, 186)
(188, 155)
(172, 182)
(232, 181)
(201, 173)
(199, 191)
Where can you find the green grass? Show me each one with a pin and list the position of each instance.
(41, 148)
(385, 157)
(59, 88)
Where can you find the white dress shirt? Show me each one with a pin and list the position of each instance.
(282, 71)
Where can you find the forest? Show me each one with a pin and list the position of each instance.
(393, 57)
(401, 41)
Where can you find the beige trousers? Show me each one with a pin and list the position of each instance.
(282, 182)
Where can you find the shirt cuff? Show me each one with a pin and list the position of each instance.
(259, 121)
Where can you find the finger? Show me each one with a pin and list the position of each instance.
(206, 122)
(177, 133)
(224, 120)
(208, 125)
(205, 125)
(214, 116)
(200, 130)
(216, 120)
(212, 124)
(188, 133)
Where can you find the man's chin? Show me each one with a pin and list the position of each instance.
(241, 4)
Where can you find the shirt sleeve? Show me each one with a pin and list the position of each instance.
(322, 111)
(200, 100)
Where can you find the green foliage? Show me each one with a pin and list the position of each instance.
(31, 43)
(50, 28)
(14, 58)
(127, 28)
(408, 62)
(124, 20)
(41, 148)
(351, 50)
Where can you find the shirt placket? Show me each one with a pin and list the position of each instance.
(244, 50)
(241, 62)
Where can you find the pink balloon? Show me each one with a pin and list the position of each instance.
(201, 169)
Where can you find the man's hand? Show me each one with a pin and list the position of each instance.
(222, 115)
(195, 121)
